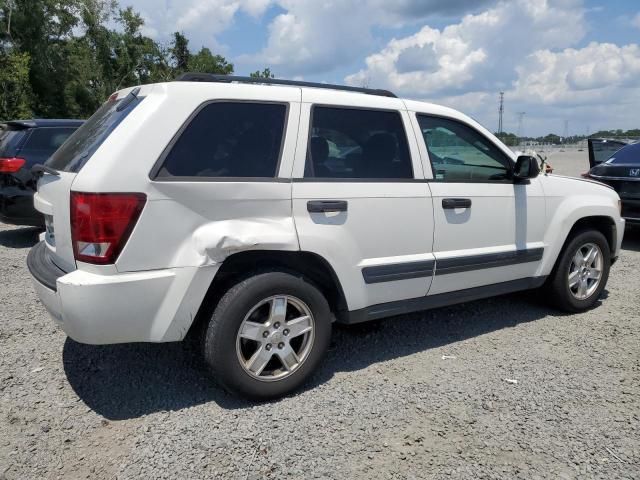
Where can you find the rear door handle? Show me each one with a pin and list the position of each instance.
(450, 203)
(316, 206)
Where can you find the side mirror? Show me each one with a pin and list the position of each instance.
(526, 167)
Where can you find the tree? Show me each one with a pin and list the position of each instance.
(206, 62)
(266, 73)
(63, 58)
(15, 90)
(180, 54)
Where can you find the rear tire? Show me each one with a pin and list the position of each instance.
(581, 272)
(267, 334)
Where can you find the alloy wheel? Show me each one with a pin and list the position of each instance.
(275, 337)
(585, 271)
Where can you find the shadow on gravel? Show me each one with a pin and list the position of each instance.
(19, 237)
(128, 381)
(631, 240)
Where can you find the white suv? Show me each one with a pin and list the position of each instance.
(256, 215)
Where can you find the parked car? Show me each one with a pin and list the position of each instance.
(24, 143)
(620, 169)
(255, 213)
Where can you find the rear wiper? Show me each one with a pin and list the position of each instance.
(126, 101)
(39, 169)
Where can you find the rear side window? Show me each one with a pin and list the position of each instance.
(228, 139)
(9, 141)
(79, 147)
(357, 144)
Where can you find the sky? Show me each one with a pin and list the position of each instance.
(567, 64)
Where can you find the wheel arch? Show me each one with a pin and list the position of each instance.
(240, 265)
(602, 223)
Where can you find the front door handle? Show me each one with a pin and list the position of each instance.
(451, 203)
(316, 206)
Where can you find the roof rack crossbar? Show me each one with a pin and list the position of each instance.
(210, 77)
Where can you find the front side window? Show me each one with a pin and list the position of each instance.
(229, 139)
(357, 144)
(459, 153)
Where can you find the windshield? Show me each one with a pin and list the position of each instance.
(627, 155)
(79, 147)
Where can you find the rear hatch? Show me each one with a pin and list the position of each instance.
(12, 137)
(30, 145)
(54, 190)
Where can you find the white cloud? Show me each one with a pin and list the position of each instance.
(317, 36)
(533, 50)
(476, 54)
(525, 48)
(204, 20)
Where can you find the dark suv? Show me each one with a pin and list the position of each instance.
(24, 143)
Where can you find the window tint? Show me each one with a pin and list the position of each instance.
(602, 150)
(355, 143)
(229, 139)
(48, 139)
(75, 152)
(459, 153)
(627, 155)
(9, 141)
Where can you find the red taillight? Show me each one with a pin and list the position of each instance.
(11, 165)
(101, 224)
(585, 175)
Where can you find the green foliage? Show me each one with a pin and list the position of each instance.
(15, 91)
(206, 62)
(266, 73)
(180, 54)
(634, 133)
(509, 139)
(63, 58)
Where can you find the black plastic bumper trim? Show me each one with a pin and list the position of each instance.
(42, 267)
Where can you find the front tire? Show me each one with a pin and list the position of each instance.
(581, 272)
(267, 334)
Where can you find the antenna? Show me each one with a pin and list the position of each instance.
(500, 112)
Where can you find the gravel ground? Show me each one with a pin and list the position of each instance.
(428, 395)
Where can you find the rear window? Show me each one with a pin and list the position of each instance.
(48, 139)
(602, 150)
(9, 141)
(79, 147)
(629, 155)
(228, 139)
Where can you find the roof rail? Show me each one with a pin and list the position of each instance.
(211, 77)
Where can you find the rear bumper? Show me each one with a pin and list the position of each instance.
(16, 207)
(151, 306)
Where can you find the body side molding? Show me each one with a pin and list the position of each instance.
(398, 271)
(401, 307)
(490, 260)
